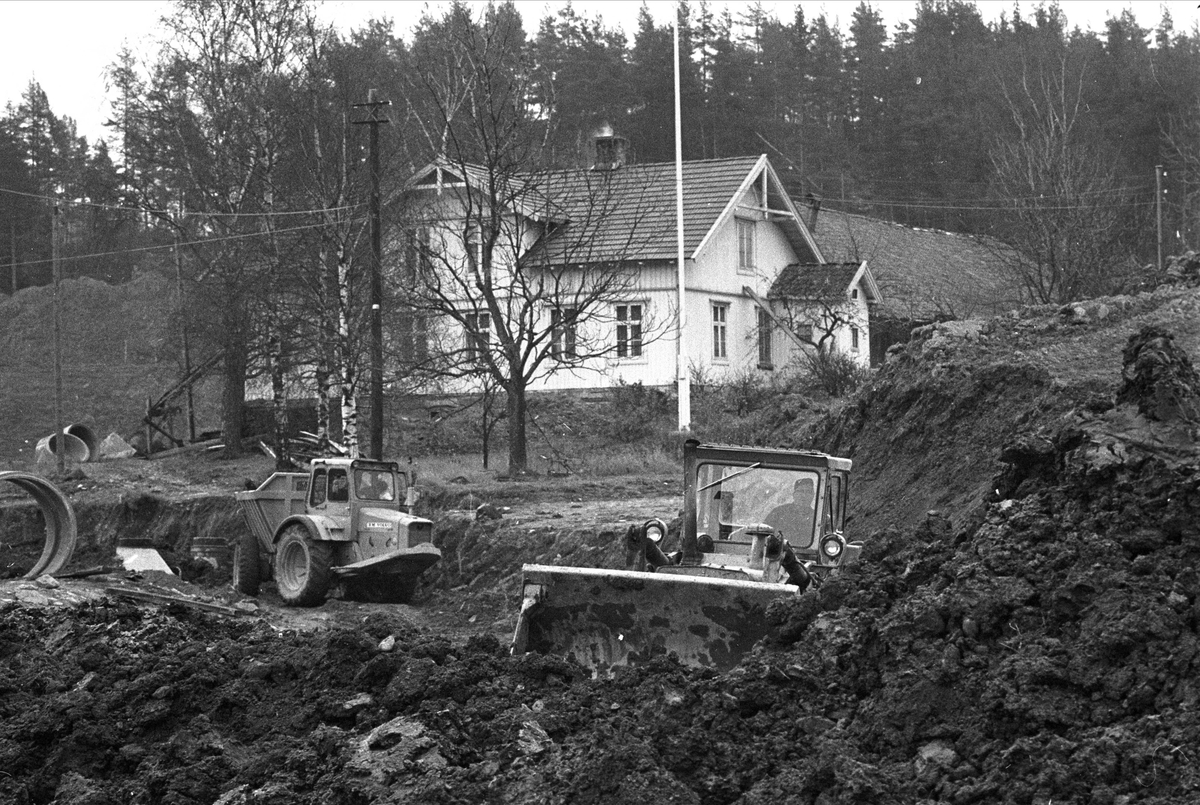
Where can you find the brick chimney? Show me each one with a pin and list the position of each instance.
(610, 149)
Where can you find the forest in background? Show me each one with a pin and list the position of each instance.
(901, 125)
(236, 166)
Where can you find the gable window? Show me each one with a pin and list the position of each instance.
(765, 360)
(562, 325)
(629, 330)
(477, 336)
(854, 294)
(854, 338)
(720, 331)
(745, 238)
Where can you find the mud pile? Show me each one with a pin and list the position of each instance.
(1038, 646)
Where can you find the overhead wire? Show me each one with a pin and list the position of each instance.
(191, 242)
(181, 213)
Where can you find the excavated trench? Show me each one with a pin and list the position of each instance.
(1034, 644)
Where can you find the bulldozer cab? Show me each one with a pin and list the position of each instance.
(732, 491)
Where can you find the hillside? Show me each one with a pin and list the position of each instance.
(1022, 627)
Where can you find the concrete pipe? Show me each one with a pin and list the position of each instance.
(86, 435)
(75, 450)
(61, 528)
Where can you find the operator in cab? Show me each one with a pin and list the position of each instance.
(375, 485)
(795, 520)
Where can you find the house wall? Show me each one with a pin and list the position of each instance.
(857, 311)
(713, 277)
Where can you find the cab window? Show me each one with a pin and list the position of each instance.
(318, 488)
(339, 486)
(833, 505)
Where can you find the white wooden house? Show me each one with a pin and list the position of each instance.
(751, 267)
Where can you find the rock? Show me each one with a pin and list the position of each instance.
(938, 753)
(388, 643)
(1159, 378)
(487, 511)
(533, 739)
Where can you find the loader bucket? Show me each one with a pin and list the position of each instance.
(607, 618)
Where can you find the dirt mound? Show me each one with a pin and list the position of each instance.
(1022, 629)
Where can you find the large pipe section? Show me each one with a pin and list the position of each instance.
(61, 528)
(78, 443)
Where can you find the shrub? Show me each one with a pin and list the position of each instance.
(836, 373)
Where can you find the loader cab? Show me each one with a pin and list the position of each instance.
(337, 483)
(732, 491)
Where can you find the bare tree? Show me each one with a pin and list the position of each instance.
(205, 142)
(1071, 222)
(514, 272)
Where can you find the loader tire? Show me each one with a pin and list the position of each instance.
(302, 573)
(247, 573)
(383, 589)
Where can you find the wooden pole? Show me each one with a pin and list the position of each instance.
(59, 441)
(1158, 194)
(375, 447)
(187, 352)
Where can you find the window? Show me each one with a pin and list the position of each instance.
(474, 244)
(745, 236)
(765, 360)
(418, 261)
(629, 330)
(562, 324)
(854, 338)
(854, 294)
(477, 334)
(317, 497)
(339, 486)
(720, 328)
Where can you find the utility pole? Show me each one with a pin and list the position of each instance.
(1158, 194)
(376, 424)
(12, 251)
(59, 442)
(187, 352)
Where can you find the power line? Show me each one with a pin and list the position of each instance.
(186, 243)
(181, 214)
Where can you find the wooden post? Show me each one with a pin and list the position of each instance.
(1158, 194)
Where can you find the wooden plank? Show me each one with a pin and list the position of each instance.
(160, 598)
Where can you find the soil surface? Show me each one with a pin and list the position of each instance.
(1021, 628)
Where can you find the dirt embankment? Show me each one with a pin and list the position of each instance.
(1035, 642)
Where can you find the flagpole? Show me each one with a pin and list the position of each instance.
(682, 381)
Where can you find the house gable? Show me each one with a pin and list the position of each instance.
(773, 204)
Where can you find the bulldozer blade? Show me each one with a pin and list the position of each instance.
(608, 618)
(407, 562)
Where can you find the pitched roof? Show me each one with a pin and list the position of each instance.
(922, 273)
(629, 213)
(814, 281)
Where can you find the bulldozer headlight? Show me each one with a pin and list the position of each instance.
(655, 530)
(831, 546)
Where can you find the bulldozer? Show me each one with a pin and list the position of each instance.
(758, 525)
(346, 521)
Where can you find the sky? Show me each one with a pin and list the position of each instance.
(66, 45)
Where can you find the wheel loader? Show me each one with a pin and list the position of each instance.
(346, 521)
(758, 525)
